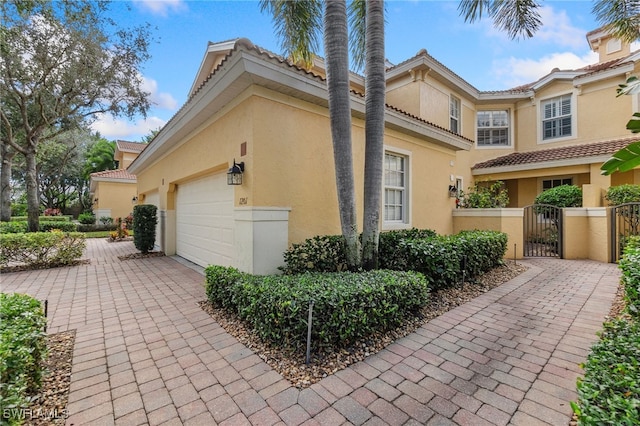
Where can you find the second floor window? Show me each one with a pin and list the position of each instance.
(493, 128)
(454, 114)
(556, 117)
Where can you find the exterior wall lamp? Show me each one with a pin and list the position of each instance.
(234, 175)
(134, 199)
(95, 201)
(453, 191)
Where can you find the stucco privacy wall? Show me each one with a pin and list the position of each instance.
(586, 231)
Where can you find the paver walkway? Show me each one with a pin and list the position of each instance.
(145, 353)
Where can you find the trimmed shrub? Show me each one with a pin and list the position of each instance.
(347, 306)
(327, 253)
(41, 249)
(87, 218)
(623, 194)
(144, 227)
(94, 227)
(630, 267)
(106, 220)
(609, 393)
(219, 281)
(318, 254)
(43, 218)
(561, 196)
(13, 227)
(22, 349)
(47, 226)
(441, 258)
(391, 255)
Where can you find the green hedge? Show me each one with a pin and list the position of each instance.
(95, 228)
(44, 226)
(439, 258)
(327, 253)
(144, 226)
(41, 248)
(630, 267)
(23, 347)
(609, 393)
(347, 306)
(43, 218)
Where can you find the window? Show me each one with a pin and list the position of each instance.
(395, 188)
(493, 128)
(454, 114)
(556, 117)
(614, 45)
(552, 183)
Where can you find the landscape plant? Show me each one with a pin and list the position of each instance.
(41, 249)
(87, 218)
(144, 227)
(346, 305)
(561, 196)
(484, 195)
(22, 349)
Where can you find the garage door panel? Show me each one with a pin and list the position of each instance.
(204, 221)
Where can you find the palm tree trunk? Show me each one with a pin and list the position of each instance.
(337, 57)
(374, 131)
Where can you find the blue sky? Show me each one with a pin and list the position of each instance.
(477, 52)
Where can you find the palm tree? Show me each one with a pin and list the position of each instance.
(375, 88)
(298, 23)
(336, 46)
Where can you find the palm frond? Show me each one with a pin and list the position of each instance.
(620, 17)
(624, 160)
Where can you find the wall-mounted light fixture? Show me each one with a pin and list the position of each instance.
(453, 191)
(234, 175)
(95, 201)
(134, 199)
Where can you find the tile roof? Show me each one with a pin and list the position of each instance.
(114, 174)
(557, 154)
(130, 146)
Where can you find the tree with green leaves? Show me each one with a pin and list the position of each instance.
(100, 157)
(62, 64)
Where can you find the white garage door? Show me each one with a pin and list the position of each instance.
(204, 221)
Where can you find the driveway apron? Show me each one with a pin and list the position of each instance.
(145, 353)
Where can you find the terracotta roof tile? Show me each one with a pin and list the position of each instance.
(130, 146)
(556, 154)
(114, 174)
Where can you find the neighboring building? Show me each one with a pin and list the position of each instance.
(114, 192)
(250, 106)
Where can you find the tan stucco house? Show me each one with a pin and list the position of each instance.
(248, 106)
(114, 192)
(252, 107)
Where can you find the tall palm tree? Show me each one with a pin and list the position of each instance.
(375, 88)
(336, 47)
(298, 23)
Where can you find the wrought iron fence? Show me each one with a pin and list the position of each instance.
(542, 231)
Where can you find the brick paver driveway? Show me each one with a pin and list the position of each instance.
(146, 353)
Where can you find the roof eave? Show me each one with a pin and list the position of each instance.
(541, 165)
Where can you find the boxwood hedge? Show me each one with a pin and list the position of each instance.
(346, 306)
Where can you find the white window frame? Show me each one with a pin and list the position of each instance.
(405, 221)
(556, 101)
(455, 113)
(508, 129)
(552, 178)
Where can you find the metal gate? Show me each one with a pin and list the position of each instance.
(625, 222)
(542, 231)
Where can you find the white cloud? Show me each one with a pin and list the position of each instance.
(158, 99)
(556, 29)
(162, 7)
(514, 72)
(111, 128)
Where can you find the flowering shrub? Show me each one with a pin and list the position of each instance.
(121, 231)
(52, 212)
